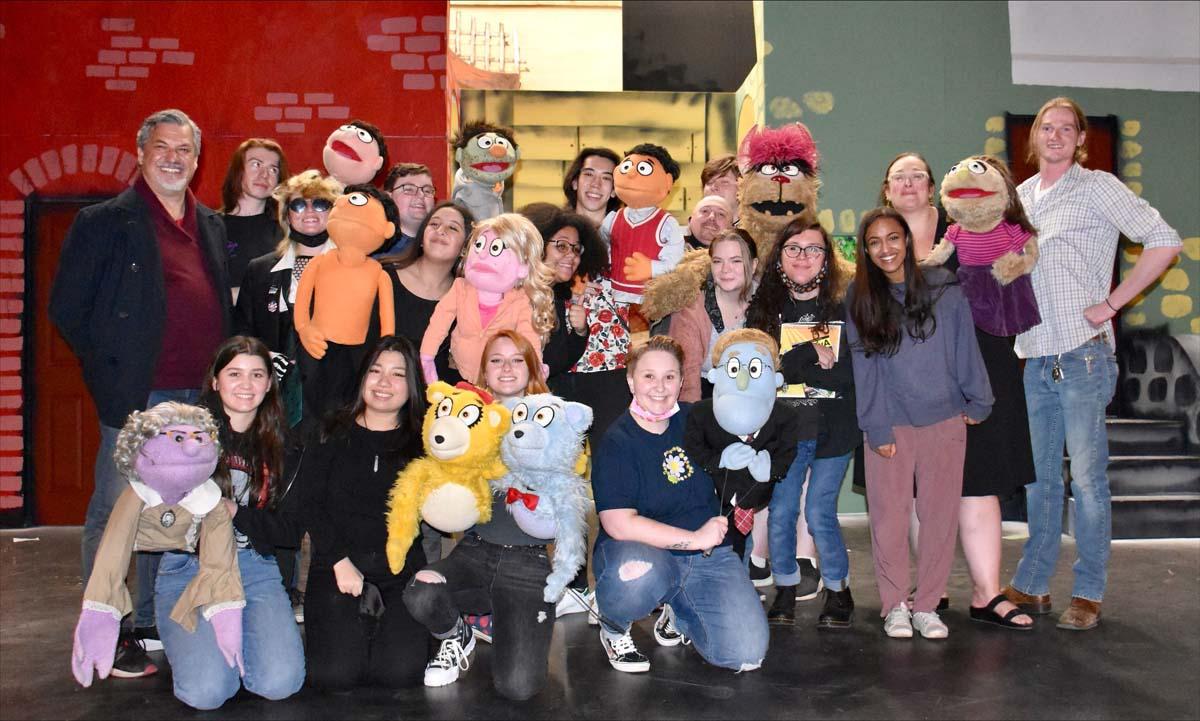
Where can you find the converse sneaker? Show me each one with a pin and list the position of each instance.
(623, 654)
(453, 657)
(760, 575)
(664, 629)
(898, 623)
(148, 635)
(929, 625)
(810, 580)
(575, 601)
(131, 660)
(481, 626)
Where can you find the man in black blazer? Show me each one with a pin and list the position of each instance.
(142, 297)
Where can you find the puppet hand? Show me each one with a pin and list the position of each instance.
(760, 467)
(553, 593)
(429, 368)
(313, 341)
(227, 627)
(95, 645)
(281, 365)
(736, 456)
(637, 268)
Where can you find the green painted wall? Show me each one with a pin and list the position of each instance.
(872, 79)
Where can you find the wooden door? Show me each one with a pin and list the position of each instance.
(65, 430)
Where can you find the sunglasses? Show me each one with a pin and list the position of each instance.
(319, 205)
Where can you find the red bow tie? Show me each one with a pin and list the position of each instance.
(529, 499)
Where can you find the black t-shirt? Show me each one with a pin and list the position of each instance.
(248, 237)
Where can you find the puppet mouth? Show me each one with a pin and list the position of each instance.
(970, 193)
(345, 151)
(491, 167)
(778, 208)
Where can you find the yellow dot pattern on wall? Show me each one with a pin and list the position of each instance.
(1176, 305)
(1134, 186)
(846, 221)
(994, 124)
(1130, 149)
(1130, 128)
(1196, 325)
(1132, 170)
(818, 101)
(1175, 279)
(994, 146)
(784, 108)
(768, 48)
(1191, 247)
(1134, 319)
(825, 218)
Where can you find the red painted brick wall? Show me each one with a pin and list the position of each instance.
(76, 79)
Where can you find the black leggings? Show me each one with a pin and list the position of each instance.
(506, 581)
(344, 649)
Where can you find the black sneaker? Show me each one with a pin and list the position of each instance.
(665, 631)
(838, 611)
(783, 610)
(761, 576)
(623, 654)
(148, 635)
(131, 660)
(810, 580)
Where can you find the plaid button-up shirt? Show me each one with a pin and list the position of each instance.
(1079, 220)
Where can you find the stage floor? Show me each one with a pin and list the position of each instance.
(1142, 662)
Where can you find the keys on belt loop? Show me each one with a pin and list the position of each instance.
(1056, 371)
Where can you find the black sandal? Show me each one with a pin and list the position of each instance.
(988, 614)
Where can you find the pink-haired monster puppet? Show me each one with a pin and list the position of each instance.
(779, 181)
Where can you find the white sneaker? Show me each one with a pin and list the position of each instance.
(665, 632)
(929, 625)
(452, 658)
(898, 623)
(623, 654)
(575, 601)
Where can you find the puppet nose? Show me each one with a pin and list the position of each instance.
(497, 151)
(743, 380)
(519, 434)
(781, 179)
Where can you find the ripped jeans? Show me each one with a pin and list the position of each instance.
(507, 582)
(715, 604)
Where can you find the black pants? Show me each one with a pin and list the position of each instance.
(330, 383)
(344, 649)
(507, 582)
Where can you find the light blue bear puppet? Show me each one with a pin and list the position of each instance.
(743, 436)
(544, 491)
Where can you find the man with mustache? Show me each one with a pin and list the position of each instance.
(142, 297)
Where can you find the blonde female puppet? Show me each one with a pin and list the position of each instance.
(505, 286)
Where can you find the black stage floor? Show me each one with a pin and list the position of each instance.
(1142, 662)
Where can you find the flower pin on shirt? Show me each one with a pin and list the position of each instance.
(676, 465)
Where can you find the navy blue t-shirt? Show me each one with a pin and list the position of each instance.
(653, 475)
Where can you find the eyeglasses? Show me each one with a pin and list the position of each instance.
(319, 205)
(808, 251)
(563, 246)
(917, 178)
(410, 189)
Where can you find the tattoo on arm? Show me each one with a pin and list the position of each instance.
(681, 546)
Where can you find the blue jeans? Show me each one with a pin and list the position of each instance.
(715, 604)
(107, 487)
(785, 511)
(271, 648)
(1071, 409)
(820, 510)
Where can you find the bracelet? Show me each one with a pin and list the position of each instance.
(1109, 305)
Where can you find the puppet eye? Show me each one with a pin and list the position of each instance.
(178, 437)
(732, 367)
(445, 407)
(792, 170)
(954, 169)
(625, 167)
(497, 247)
(484, 142)
(479, 243)
(359, 199)
(645, 168)
(520, 412)
(364, 136)
(977, 167)
(768, 169)
(544, 416)
(348, 127)
(470, 415)
(502, 142)
(755, 366)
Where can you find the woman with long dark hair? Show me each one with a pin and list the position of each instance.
(919, 381)
(805, 282)
(358, 631)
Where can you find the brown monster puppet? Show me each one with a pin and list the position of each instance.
(779, 183)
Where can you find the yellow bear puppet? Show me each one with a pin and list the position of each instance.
(448, 488)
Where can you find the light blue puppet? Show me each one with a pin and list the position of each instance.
(745, 379)
(544, 491)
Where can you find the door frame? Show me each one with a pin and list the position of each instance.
(34, 202)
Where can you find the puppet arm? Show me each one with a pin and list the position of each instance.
(670, 236)
(387, 305)
(760, 466)
(311, 337)
(439, 327)
(570, 543)
(403, 514)
(1011, 266)
(697, 443)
